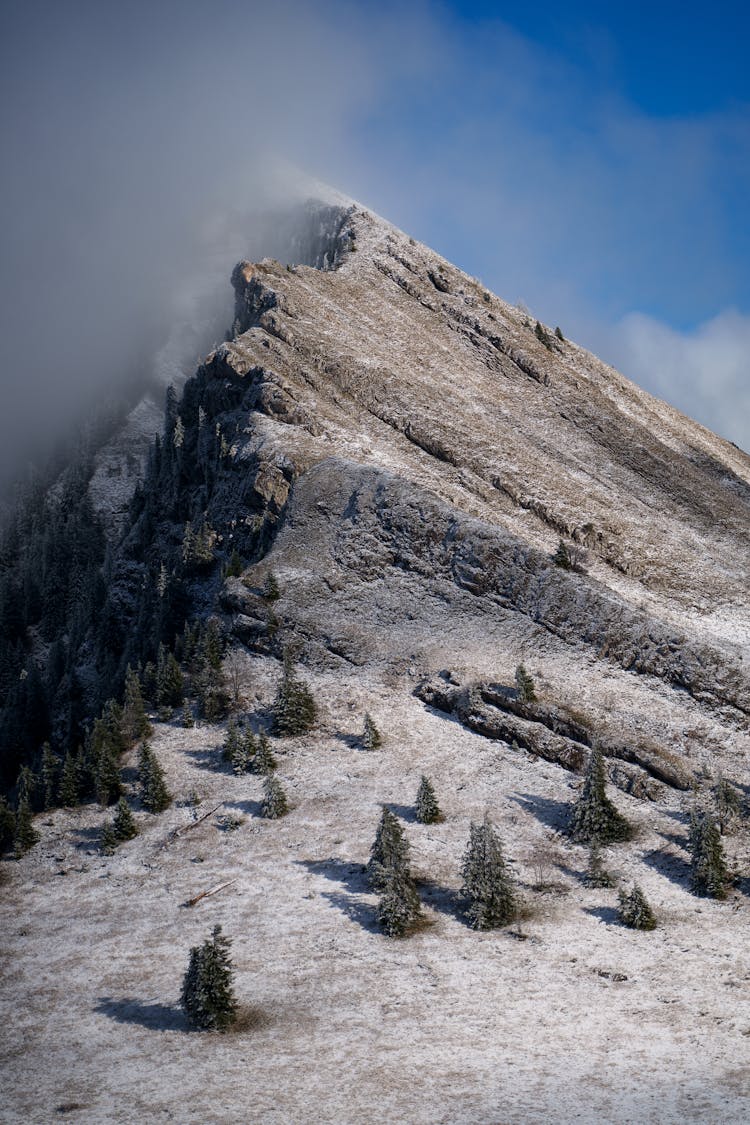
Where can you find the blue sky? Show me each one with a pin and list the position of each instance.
(590, 160)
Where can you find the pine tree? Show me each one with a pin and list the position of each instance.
(426, 808)
(594, 815)
(134, 719)
(487, 884)
(25, 835)
(109, 839)
(635, 911)
(170, 688)
(371, 736)
(235, 749)
(28, 784)
(596, 873)
(399, 908)
(558, 333)
(271, 590)
(275, 804)
(390, 849)
(7, 825)
(107, 782)
(207, 988)
(727, 804)
(263, 759)
(542, 335)
(155, 796)
(188, 719)
(50, 769)
(294, 709)
(562, 557)
(524, 685)
(124, 824)
(70, 790)
(708, 869)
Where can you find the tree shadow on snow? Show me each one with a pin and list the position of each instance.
(86, 838)
(555, 814)
(351, 875)
(405, 812)
(209, 760)
(155, 1017)
(606, 914)
(361, 912)
(445, 900)
(673, 867)
(252, 808)
(351, 741)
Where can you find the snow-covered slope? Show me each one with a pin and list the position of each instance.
(404, 452)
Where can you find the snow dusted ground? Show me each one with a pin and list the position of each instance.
(564, 1016)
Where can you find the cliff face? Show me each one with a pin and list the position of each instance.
(404, 451)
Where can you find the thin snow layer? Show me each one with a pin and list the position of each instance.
(563, 1016)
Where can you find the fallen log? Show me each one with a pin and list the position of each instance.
(207, 894)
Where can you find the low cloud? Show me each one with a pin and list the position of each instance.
(704, 372)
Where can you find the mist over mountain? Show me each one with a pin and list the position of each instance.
(388, 503)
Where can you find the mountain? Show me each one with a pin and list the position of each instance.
(409, 488)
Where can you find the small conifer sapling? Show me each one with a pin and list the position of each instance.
(596, 873)
(635, 911)
(25, 835)
(594, 816)
(275, 804)
(390, 849)
(426, 807)
(525, 688)
(399, 908)
(155, 796)
(263, 759)
(708, 869)
(486, 881)
(124, 824)
(371, 736)
(208, 985)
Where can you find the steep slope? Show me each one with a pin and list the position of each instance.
(403, 451)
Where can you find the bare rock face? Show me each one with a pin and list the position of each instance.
(406, 450)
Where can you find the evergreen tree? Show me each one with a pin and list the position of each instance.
(207, 988)
(170, 688)
(109, 839)
(594, 815)
(635, 911)
(708, 869)
(188, 719)
(558, 333)
(235, 749)
(107, 782)
(371, 737)
(487, 884)
(234, 566)
(562, 557)
(275, 804)
(524, 685)
(542, 335)
(271, 590)
(726, 803)
(149, 682)
(426, 808)
(389, 850)
(28, 784)
(134, 719)
(399, 908)
(7, 825)
(596, 873)
(70, 789)
(25, 835)
(263, 759)
(155, 796)
(50, 769)
(124, 824)
(294, 709)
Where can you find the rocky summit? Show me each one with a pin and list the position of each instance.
(392, 490)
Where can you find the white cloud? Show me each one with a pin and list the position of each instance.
(704, 372)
